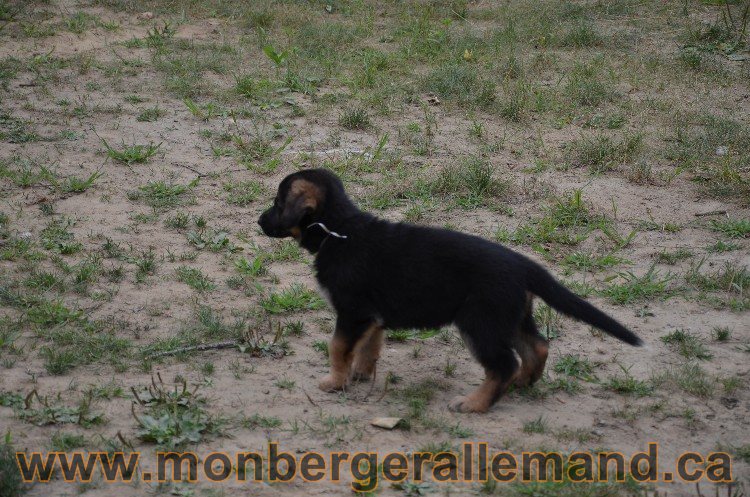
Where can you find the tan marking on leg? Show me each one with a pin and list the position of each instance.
(481, 399)
(528, 361)
(340, 355)
(367, 352)
(296, 232)
(541, 350)
(533, 351)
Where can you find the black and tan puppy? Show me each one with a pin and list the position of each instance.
(380, 274)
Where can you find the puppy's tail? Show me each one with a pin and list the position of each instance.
(542, 284)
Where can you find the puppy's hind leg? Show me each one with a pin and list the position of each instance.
(501, 368)
(533, 349)
(489, 329)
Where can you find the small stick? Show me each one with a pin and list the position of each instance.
(710, 213)
(196, 348)
(124, 442)
(200, 174)
(309, 398)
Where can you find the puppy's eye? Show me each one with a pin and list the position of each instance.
(276, 203)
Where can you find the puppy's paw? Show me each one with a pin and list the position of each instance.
(464, 403)
(363, 370)
(456, 404)
(361, 376)
(331, 384)
(522, 381)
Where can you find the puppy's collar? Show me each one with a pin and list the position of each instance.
(328, 232)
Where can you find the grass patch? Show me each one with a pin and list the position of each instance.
(66, 442)
(57, 237)
(721, 333)
(11, 484)
(79, 342)
(79, 22)
(254, 268)
(638, 288)
(575, 366)
(163, 195)
(628, 385)
(296, 298)
(538, 425)
(731, 278)
(689, 378)
(581, 35)
(25, 172)
(461, 84)
(44, 411)
(243, 193)
(601, 153)
(586, 87)
(417, 397)
(672, 258)
(470, 183)
(355, 119)
(14, 130)
(173, 416)
(150, 115)
(195, 279)
(583, 261)
(687, 344)
(260, 421)
(568, 221)
(733, 228)
(131, 154)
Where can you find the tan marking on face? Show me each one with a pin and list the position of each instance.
(307, 192)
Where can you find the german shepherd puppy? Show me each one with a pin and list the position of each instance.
(380, 274)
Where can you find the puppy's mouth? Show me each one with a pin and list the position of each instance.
(269, 229)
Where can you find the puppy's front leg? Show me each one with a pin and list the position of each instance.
(340, 353)
(350, 335)
(367, 353)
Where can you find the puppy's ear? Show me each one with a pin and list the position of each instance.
(303, 199)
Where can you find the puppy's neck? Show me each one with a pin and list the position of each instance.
(339, 220)
(316, 235)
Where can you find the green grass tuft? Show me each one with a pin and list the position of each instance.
(132, 154)
(639, 288)
(292, 299)
(461, 84)
(195, 279)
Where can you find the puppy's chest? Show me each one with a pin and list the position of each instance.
(323, 290)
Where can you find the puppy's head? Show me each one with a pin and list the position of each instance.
(302, 199)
